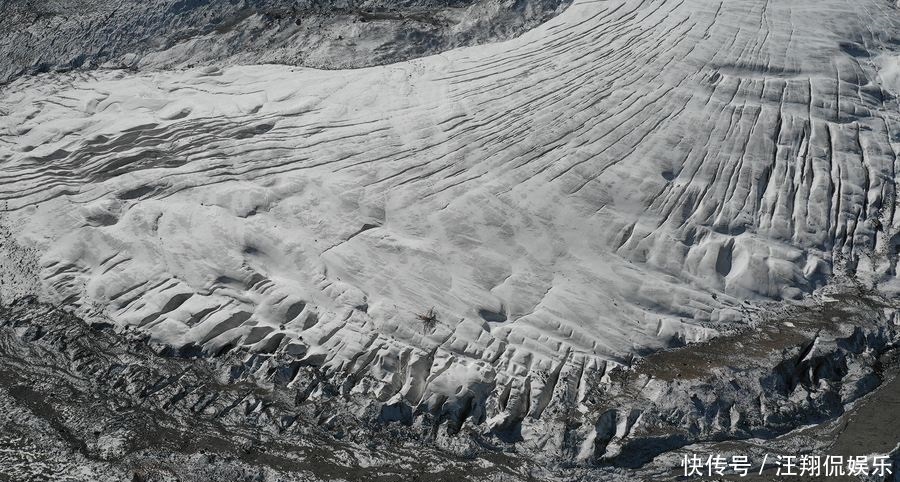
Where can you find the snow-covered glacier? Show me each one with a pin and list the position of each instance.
(485, 235)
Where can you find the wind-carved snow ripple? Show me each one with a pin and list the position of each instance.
(618, 180)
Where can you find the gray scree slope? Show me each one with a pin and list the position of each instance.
(51, 35)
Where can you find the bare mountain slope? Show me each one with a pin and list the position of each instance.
(52, 35)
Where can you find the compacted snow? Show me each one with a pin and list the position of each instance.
(623, 178)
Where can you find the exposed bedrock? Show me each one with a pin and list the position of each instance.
(52, 35)
(488, 235)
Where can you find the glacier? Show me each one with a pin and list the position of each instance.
(627, 178)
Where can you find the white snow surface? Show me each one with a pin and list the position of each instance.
(620, 178)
